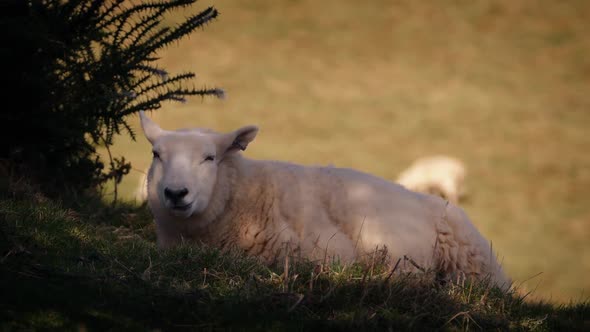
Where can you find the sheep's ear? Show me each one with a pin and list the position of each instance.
(150, 129)
(237, 140)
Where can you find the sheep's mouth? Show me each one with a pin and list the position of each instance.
(182, 207)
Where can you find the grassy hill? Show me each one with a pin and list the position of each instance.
(502, 85)
(82, 266)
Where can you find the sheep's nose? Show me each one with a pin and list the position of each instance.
(175, 195)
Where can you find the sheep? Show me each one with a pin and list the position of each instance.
(201, 189)
(438, 174)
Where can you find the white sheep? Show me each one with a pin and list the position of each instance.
(439, 175)
(200, 188)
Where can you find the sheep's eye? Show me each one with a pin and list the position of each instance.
(209, 158)
(156, 155)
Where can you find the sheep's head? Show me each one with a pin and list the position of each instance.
(185, 163)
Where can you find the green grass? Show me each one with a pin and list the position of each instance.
(502, 85)
(90, 267)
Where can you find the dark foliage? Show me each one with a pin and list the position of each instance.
(76, 70)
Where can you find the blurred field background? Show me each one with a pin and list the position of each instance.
(503, 85)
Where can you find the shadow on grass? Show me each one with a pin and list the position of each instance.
(96, 267)
(41, 298)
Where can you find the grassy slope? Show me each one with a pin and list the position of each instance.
(97, 268)
(373, 85)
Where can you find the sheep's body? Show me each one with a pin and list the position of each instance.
(439, 175)
(261, 206)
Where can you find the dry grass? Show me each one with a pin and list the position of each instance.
(502, 85)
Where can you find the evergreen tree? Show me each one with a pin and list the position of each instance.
(76, 70)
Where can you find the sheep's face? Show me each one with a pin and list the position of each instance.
(185, 165)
